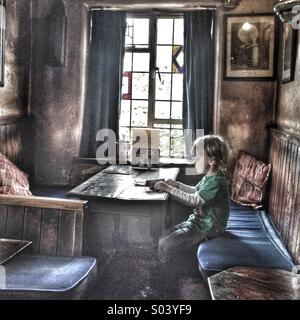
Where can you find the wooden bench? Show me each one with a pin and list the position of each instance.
(55, 227)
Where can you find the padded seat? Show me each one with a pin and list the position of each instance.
(47, 277)
(250, 240)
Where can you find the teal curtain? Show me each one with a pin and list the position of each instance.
(198, 93)
(104, 82)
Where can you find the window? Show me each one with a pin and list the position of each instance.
(152, 90)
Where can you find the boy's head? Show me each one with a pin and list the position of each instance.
(215, 155)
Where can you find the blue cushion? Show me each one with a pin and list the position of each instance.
(250, 240)
(46, 276)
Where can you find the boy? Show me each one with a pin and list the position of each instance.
(209, 198)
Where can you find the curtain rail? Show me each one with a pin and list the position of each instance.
(154, 10)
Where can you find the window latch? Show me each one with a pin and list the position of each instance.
(156, 69)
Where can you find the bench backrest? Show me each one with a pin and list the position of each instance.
(54, 226)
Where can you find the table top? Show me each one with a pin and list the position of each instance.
(118, 182)
(245, 283)
(9, 248)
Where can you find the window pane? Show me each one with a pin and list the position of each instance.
(163, 126)
(141, 62)
(178, 59)
(141, 31)
(177, 144)
(176, 110)
(139, 117)
(163, 87)
(140, 85)
(178, 31)
(162, 110)
(164, 143)
(164, 58)
(125, 113)
(177, 89)
(129, 32)
(124, 134)
(126, 85)
(176, 126)
(128, 61)
(164, 31)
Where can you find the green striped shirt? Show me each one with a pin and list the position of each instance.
(214, 190)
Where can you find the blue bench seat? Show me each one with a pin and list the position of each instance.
(250, 240)
(46, 277)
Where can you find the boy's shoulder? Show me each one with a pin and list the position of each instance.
(220, 176)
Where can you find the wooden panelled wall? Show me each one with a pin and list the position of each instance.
(284, 204)
(54, 226)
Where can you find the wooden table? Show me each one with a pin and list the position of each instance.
(9, 248)
(121, 214)
(243, 283)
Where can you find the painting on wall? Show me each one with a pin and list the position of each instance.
(289, 50)
(250, 47)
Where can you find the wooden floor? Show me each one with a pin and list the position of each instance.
(129, 276)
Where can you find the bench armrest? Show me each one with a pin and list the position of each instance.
(55, 226)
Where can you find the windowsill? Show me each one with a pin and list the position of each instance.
(163, 162)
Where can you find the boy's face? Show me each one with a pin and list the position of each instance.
(202, 163)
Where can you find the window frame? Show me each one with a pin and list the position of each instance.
(152, 50)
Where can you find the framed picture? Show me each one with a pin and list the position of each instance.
(2, 40)
(289, 50)
(250, 47)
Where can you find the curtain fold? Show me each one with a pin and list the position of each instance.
(104, 83)
(198, 93)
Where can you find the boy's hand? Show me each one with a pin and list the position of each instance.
(161, 186)
(172, 183)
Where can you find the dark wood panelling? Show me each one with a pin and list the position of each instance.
(52, 230)
(32, 227)
(15, 222)
(284, 204)
(49, 232)
(3, 219)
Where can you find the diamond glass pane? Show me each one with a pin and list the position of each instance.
(163, 87)
(141, 31)
(129, 32)
(140, 85)
(141, 62)
(176, 110)
(177, 88)
(162, 110)
(124, 134)
(164, 58)
(164, 31)
(178, 31)
(161, 126)
(177, 144)
(164, 143)
(125, 113)
(139, 115)
(127, 61)
(178, 59)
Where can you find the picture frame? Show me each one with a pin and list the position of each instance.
(250, 47)
(2, 40)
(288, 52)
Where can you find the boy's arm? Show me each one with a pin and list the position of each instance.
(181, 186)
(186, 188)
(188, 199)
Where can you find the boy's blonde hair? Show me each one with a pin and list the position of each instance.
(216, 148)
